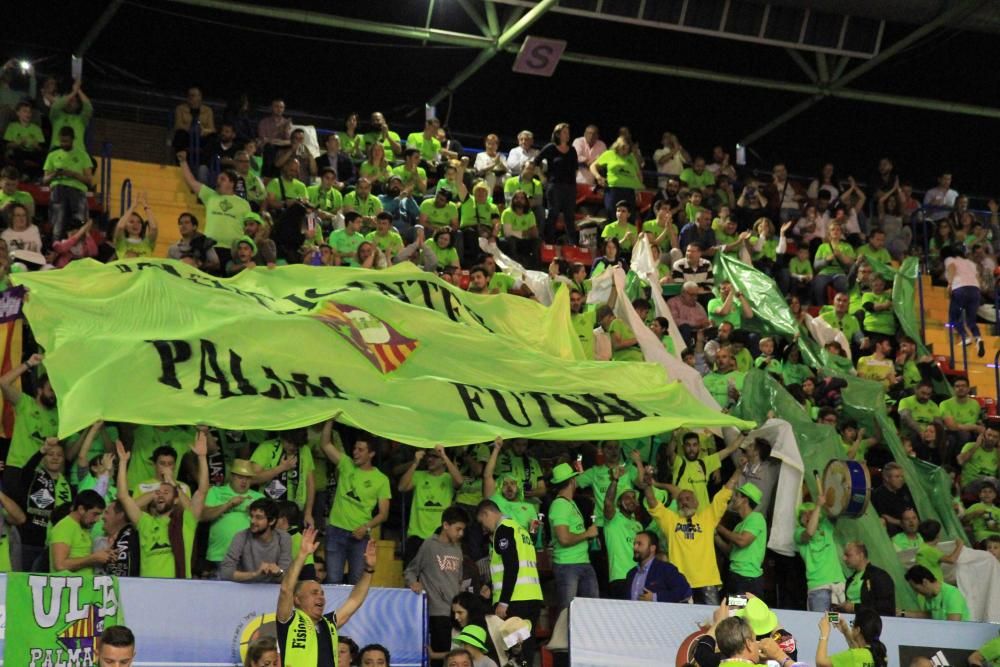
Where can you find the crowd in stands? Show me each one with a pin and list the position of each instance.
(485, 529)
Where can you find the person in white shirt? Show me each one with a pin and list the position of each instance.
(524, 152)
(963, 285)
(941, 197)
(588, 148)
(670, 158)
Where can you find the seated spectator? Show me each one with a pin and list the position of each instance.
(491, 166)
(909, 536)
(892, 497)
(297, 151)
(983, 517)
(73, 111)
(376, 168)
(879, 365)
(697, 176)
(25, 148)
(519, 230)
(611, 258)
(427, 144)
(193, 247)
(869, 587)
(242, 256)
(133, 236)
(726, 382)
(192, 115)
(379, 133)
(622, 228)
(531, 186)
(624, 345)
(700, 231)
(694, 268)
(22, 233)
(941, 198)
(979, 458)
(362, 202)
(928, 554)
(439, 211)
(473, 640)
(936, 599)
(401, 204)
(326, 200)
(833, 258)
(879, 318)
(729, 306)
(918, 410)
(338, 161)
(10, 179)
(248, 185)
(652, 579)
(260, 553)
(689, 315)
(80, 244)
(522, 154)
(69, 173)
(384, 237)
(263, 652)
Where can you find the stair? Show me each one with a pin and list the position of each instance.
(981, 371)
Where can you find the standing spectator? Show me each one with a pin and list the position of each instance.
(561, 162)
(863, 641)
(523, 153)
(941, 198)
(816, 544)
(307, 636)
(72, 111)
(273, 132)
(892, 497)
(748, 542)
(622, 176)
(39, 488)
(670, 158)
(588, 148)
(259, 553)
(510, 496)
(228, 509)
(652, 579)
(166, 531)
(620, 529)
(379, 133)
(192, 117)
(286, 470)
(869, 587)
(690, 532)
(224, 209)
(69, 173)
(936, 599)
(361, 504)
(963, 285)
(433, 491)
(122, 538)
(785, 197)
(437, 571)
(70, 541)
(36, 419)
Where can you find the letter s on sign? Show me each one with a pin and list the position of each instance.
(539, 56)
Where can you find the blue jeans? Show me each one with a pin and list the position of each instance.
(819, 599)
(578, 579)
(839, 282)
(962, 310)
(342, 547)
(66, 204)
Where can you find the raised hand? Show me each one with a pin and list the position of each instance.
(123, 454)
(200, 446)
(371, 555)
(309, 543)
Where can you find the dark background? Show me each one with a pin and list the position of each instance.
(166, 46)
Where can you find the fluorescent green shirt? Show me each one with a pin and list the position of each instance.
(563, 512)
(346, 244)
(72, 160)
(883, 321)
(748, 561)
(981, 464)
(820, 555)
(532, 188)
(368, 207)
(432, 494)
(900, 542)
(599, 477)
(834, 267)
(69, 531)
(330, 201)
(853, 657)
(428, 147)
(156, 554)
(922, 413)
(390, 243)
(224, 215)
(439, 216)
(294, 189)
(949, 601)
(32, 425)
(225, 527)
(584, 324)
(623, 172)
(518, 222)
(358, 494)
(26, 136)
(619, 536)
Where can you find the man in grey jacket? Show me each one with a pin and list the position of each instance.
(260, 553)
(437, 571)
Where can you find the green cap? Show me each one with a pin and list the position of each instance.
(474, 636)
(563, 472)
(249, 241)
(751, 492)
(804, 507)
(759, 617)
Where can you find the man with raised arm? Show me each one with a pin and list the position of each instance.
(166, 531)
(307, 635)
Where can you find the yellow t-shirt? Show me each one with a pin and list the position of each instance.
(691, 542)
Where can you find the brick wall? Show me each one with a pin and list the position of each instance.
(131, 141)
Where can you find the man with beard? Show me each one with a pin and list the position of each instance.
(70, 542)
(286, 470)
(515, 461)
(399, 202)
(980, 458)
(692, 470)
(433, 491)
(652, 579)
(584, 321)
(725, 382)
(260, 553)
(41, 488)
(690, 532)
(510, 496)
(747, 541)
(166, 530)
(122, 538)
(620, 530)
(35, 418)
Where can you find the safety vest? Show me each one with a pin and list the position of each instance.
(300, 649)
(527, 586)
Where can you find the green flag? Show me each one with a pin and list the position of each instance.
(56, 620)
(396, 352)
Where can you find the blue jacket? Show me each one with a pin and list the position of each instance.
(663, 580)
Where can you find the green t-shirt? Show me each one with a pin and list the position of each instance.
(532, 188)
(225, 527)
(391, 243)
(374, 173)
(445, 256)
(520, 511)
(472, 214)
(929, 556)
(563, 512)
(734, 317)
(718, 385)
(439, 217)
(853, 657)
(371, 138)
(599, 477)
(820, 555)
(584, 324)
(145, 440)
(73, 160)
(623, 172)
(432, 495)
(883, 321)
(69, 531)
(986, 524)
(981, 464)
(853, 591)
(292, 484)
(800, 267)
(624, 331)
(368, 207)
(346, 244)
(922, 413)
(78, 121)
(428, 147)
(848, 324)
(695, 180)
(825, 251)
(794, 373)
(880, 255)
(991, 651)
(294, 189)
(619, 536)
(693, 475)
(358, 494)
(614, 230)
(20, 197)
(900, 542)
(224, 215)
(411, 179)
(963, 412)
(654, 228)
(769, 249)
(949, 601)
(501, 282)
(32, 425)
(156, 555)
(27, 136)
(330, 201)
(518, 222)
(748, 561)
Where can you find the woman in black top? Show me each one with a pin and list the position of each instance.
(560, 190)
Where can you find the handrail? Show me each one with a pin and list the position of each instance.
(923, 315)
(105, 178)
(126, 196)
(996, 315)
(951, 344)
(996, 372)
(194, 145)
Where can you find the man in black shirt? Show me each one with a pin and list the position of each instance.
(123, 539)
(307, 634)
(892, 498)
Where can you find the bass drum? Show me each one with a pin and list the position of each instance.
(847, 487)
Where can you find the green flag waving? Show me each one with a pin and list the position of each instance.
(398, 353)
(56, 620)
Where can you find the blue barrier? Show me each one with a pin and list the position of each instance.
(126, 196)
(205, 623)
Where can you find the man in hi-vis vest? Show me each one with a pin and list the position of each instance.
(307, 636)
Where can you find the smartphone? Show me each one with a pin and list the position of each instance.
(834, 617)
(735, 603)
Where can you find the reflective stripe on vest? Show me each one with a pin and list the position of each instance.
(527, 585)
(301, 648)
